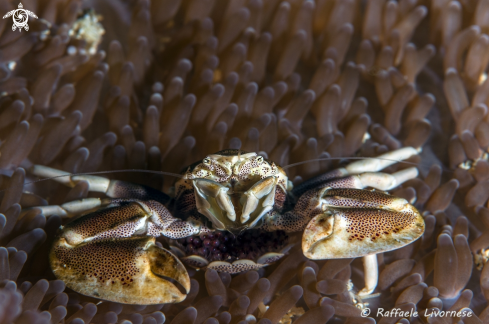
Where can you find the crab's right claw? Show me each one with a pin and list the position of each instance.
(129, 271)
(358, 223)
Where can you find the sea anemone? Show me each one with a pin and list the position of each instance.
(157, 85)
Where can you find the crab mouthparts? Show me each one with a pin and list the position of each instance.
(234, 211)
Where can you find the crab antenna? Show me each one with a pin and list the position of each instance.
(239, 155)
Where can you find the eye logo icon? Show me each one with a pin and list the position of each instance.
(365, 312)
(20, 17)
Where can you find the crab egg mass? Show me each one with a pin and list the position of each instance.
(225, 246)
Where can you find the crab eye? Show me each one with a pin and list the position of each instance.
(259, 159)
(207, 161)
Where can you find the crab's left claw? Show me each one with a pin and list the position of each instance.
(357, 223)
(129, 270)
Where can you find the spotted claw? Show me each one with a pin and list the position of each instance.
(130, 270)
(357, 223)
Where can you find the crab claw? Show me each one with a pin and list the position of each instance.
(129, 271)
(382, 223)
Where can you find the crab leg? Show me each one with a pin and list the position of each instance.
(81, 206)
(357, 167)
(112, 188)
(371, 273)
(377, 180)
(70, 209)
(126, 219)
(381, 162)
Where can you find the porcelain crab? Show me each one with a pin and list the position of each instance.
(233, 211)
